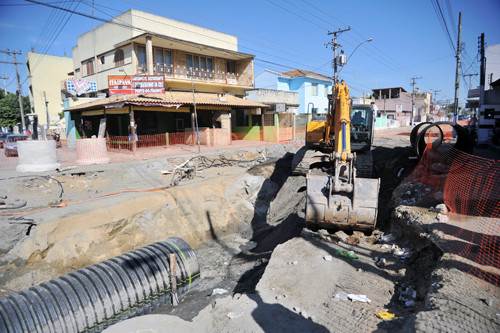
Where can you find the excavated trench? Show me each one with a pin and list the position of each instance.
(233, 221)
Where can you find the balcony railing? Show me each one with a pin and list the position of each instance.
(198, 74)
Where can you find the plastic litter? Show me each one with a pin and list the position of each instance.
(328, 258)
(388, 238)
(385, 315)
(346, 254)
(381, 262)
(403, 252)
(232, 315)
(408, 296)
(218, 291)
(340, 296)
(358, 298)
(442, 218)
(409, 303)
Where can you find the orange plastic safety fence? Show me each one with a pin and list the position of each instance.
(470, 187)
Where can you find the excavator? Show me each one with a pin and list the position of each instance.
(336, 198)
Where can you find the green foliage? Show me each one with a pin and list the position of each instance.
(10, 115)
(450, 108)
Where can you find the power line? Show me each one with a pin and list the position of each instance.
(302, 17)
(51, 42)
(442, 21)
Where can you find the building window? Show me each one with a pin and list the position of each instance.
(89, 67)
(141, 58)
(119, 58)
(326, 90)
(199, 65)
(163, 61)
(314, 89)
(102, 59)
(231, 66)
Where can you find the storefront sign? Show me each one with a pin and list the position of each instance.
(80, 86)
(136, 85)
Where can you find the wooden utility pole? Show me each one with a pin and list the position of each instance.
(4, 78)
(335, 45)
(14, 53)
(457, 74)
(47, 109)
(435, 98)
(413, 79)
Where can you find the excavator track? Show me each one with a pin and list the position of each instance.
(306, 157)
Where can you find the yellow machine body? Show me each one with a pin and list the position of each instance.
(337, 198)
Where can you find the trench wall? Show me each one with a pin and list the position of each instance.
(193, 213)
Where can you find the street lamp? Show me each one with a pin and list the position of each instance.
(345, 63)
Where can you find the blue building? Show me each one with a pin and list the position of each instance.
(313, 88)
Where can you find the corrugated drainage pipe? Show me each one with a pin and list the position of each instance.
(95, 297)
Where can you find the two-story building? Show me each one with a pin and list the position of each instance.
(396, 103)
(313, 88)
(156, 73)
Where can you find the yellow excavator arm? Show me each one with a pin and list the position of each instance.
(342, 121)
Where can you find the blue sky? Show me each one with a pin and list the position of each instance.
(408, 38)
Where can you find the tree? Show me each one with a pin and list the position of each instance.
(450, 109)
(10, 115)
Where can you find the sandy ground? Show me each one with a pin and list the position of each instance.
(278, 275)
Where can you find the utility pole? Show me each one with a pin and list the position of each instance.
(435, 99)
(457, 75)
(14, 53)
(413, 79)
(335, 45)
(470, 77)
(4, 78)
(482, 70)
(47, 109)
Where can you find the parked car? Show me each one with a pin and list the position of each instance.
(10, 144)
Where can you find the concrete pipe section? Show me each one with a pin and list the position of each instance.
(463, 140)
(95, 297)
(37, 156)
(91, 151)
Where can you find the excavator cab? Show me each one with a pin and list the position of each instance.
(361, 127)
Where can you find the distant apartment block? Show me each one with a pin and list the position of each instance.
(45, 72)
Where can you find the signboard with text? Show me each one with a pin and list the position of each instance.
(399, 107)
(137, 85)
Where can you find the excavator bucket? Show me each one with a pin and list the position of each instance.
(347, 211)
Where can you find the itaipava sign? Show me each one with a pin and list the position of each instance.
(136, 85)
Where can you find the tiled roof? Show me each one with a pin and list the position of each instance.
(300, 72)
(170, 98)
